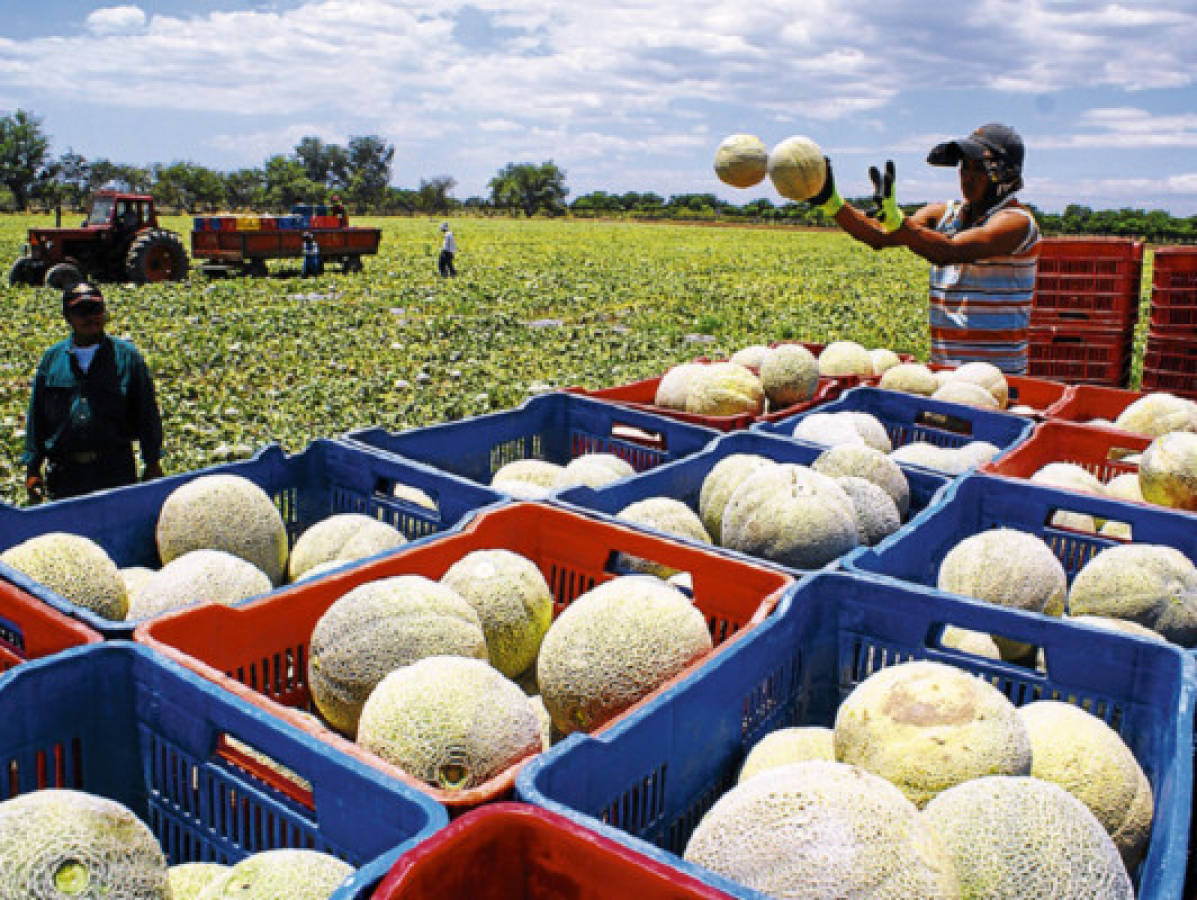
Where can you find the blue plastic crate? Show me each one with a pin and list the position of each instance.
(908, 418)
(119, 721)
(979, 502)
(328, 477)
(554, 427)
(648, 781)
(682, 479)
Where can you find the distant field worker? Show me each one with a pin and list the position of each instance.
(92, 397)
(312, 264)
(444, 263)
(983, 249)
(337, 208)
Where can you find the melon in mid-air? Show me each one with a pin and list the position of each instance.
(741, 160)
(797, 168)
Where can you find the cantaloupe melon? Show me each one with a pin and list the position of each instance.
(513, 602)
(378, 627)
(450, 721)
(1009, 568)
(224, 512)
(814, 830)
(1086, 757)
(1012, 838)
(58, 843)
(741, 160)
(787, 746)
(926, 726)
(614, 645)
(74, 566)
(200, 576)
(274, 874)
(791, 515)
(789, 374)
(341, 537)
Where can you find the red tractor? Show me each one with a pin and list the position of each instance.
(120, 241)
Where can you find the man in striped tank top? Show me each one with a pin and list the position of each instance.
(982, 249)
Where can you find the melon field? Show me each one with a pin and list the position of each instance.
(538, 304)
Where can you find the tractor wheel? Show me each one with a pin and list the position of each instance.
(156, 255)
(27, 271)
(63, 276)
(351, 264)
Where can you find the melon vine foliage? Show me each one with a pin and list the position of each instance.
(538, 304)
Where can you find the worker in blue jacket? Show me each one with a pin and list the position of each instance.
(92, 397)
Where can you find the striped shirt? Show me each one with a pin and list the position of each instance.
(981, 310)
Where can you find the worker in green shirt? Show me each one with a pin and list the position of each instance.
(92, 397)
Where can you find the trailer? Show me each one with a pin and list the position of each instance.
(245, 250)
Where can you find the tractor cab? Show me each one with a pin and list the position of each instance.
(124, 212)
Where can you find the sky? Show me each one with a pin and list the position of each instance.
(626, 95)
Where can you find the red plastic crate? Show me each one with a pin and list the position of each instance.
(1087, 280)
(1091, 401)
(1178, 319)
(513, 850)
(1174, 276)
(1088, 446)
(1080, 353)
(1183, 384)
(30, 629)
(259, 649)
(641, 394)
(1171, 354)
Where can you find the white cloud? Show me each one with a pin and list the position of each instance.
(619, 85)
(116, 20)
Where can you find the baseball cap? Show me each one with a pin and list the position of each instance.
(986, 142)
(82, 295)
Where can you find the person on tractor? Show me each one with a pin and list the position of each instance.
(92, 397)
(337, 208)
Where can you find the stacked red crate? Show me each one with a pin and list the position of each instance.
(1170, 362)
(1084, 311)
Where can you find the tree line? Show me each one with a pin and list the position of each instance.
(360, 172)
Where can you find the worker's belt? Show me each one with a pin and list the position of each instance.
(88, 457)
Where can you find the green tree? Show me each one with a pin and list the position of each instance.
(326, 164)
(102, 173)
(433, 194)
(287, 183)
(245, 189)
(24, 151)
(187, 186)
(529, 187)
(369, 170)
